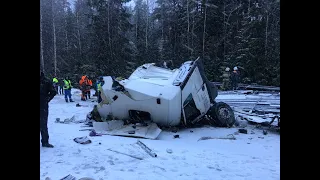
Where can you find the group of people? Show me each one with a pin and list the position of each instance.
(63, 87)
(230, 79)
(85, 85)
(48, 89)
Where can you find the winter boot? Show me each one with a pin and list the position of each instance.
(71, 100)
(66, 100)
(47, 145)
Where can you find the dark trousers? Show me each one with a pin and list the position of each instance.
(88, 94)
(44, 126)
(60, 89)
(85, 95)
(234, 85)
(56, 87)
(99, 97)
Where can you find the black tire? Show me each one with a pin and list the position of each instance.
(222, 115)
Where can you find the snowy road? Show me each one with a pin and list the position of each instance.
(249, 157)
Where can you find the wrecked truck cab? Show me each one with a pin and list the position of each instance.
(166, 97)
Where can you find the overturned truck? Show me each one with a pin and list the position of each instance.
(178, 97)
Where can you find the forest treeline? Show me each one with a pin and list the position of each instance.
(108, 37)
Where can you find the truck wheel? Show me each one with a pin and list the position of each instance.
(222, 115)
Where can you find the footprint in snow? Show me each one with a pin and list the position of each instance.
(163, 169)
(110, 157)
(110, 162)
(185, 151)
(101, 168)
(163, 158)
(59, 161)
(75, 168)
(210, 167)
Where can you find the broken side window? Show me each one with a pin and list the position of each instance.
(190, 109)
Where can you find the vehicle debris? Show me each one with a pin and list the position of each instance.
(169, 151)
(261, 109)
(125, 154)
(243, 131)
(79, 105)
(94, 133)
(69, 177)
(265, 132)
(146, 149)
(82, 140)
(117, 128)
(229, 136)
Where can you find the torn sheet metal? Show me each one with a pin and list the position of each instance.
(117, 128)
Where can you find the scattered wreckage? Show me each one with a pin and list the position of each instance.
(261, 109)
(154, 96)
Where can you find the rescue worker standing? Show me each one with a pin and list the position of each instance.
(47, 92)
(55, 84)
(99, 88)
(226, 79)
(82, 87)
(85, 86)
(88, 89)
(95, 87)
(67, 89)
(235, 78)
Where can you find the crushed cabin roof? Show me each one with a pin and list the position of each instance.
(153, 81)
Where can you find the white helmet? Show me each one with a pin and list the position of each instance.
(235, 68)
(227, 69)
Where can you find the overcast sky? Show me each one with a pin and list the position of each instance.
(131, 3)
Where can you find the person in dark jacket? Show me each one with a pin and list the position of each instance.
(47, 92)
(235, 78)
(226, 79)
(61, 84)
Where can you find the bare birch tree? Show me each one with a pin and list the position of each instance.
(54, 40)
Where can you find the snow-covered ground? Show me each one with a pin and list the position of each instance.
(251, 156)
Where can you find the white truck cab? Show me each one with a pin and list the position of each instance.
(167, 97)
